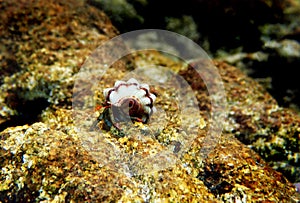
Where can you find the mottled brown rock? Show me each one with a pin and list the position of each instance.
(47, 162)
(51, 161)
(43, 43)
(256, 119)
(244, 95)
(44, 164)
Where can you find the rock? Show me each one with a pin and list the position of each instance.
(48, 158)
(43, 47)
(40, 164)
(257, 36)
(63, 170)
(280, 48)
(256, 119)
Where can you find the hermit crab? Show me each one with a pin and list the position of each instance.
(127, 101)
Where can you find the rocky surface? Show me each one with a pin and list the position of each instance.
(41, 48)
(42, 155)
(256, 119)
(259, 37)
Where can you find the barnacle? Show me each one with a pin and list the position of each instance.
(128, 101)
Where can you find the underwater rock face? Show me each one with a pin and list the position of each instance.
(258, 36)
(42, 47)
(45, 161)
(256, 120)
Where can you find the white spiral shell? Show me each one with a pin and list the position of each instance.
(133, 95)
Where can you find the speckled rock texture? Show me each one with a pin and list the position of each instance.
(258, 36)
(42, 158)
(41, 48)
(256, 119)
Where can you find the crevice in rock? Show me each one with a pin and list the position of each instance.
(28, 113)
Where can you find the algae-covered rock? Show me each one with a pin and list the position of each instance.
(50, 161)
(50, 158)
(42, 164)
(256, 119)
(42, 46)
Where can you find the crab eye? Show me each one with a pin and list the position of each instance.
(131, 103)
(128, 103)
